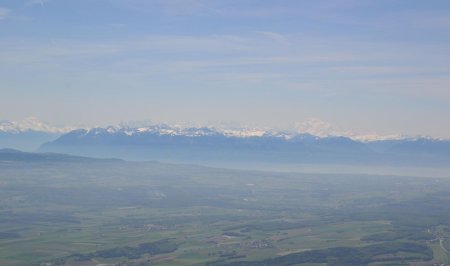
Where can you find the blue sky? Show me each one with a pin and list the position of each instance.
(366, 66)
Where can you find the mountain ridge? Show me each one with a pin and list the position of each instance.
(203, 144)
(14, 155)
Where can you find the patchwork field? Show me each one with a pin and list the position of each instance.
(93, 212)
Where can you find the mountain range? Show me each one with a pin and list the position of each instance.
(27, 134)
(205, 145)
(202, 145)
(12, 155)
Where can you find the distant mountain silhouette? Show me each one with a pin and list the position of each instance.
(202, 145)
(25, 140)
(12, 155)
(27, 134)
(422, 146)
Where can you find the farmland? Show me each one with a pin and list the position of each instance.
(90, 212)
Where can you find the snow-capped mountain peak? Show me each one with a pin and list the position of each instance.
(312, 127)
(320, 128)
(187, 131)
(31, 124)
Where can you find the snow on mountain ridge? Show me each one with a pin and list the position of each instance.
(320, 128)
(164, 129)
(244, 132)
(31, 124)
(312, 127)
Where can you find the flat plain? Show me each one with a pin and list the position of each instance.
(80, 211)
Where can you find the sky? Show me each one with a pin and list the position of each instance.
(378, 66)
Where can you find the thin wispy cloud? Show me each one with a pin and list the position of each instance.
(238, 58)
(31, 3)
(4, 13)
(275, 36)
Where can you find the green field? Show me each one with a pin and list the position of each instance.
(112, 212)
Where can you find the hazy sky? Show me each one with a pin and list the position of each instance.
(368, 66)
